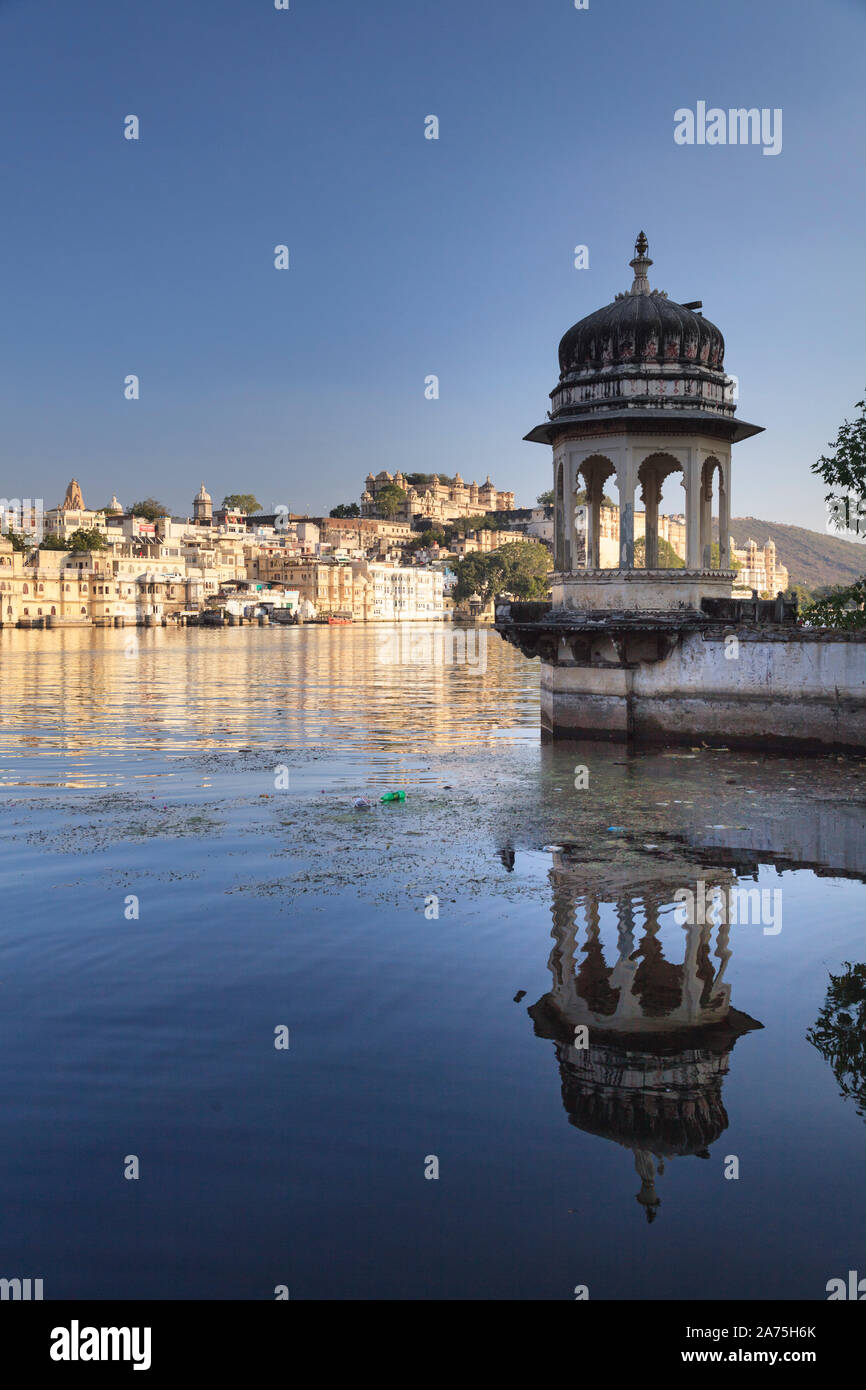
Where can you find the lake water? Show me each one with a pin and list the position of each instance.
(204, 779)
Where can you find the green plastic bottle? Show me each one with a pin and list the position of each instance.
(393, 796)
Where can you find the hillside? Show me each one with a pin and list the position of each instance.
(812, 558)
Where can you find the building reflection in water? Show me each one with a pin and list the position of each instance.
(647, 1071)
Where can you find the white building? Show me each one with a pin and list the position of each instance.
(400, 593)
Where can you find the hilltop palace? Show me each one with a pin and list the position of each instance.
(440, 501)
(640, 652)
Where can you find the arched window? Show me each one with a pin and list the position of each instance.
(83, 609)
(26, 589)
(53, 609)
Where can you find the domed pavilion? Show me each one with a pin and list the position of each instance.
(636, 651)
(642, 395)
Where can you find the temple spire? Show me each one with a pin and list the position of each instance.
(640, 264)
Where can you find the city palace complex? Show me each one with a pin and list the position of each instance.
(374, 566)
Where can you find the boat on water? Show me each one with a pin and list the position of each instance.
(334, 621)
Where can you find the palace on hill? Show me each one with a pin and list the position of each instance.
(435, 499)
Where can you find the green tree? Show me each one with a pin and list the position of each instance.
(421, 481)
(715, 558)
(844, 470)
(482, 522)
(843, 608)
(433, 535)
(580, 499)
(245, 502)
(86, 540)
(389, 500)
(346, 509)
(19, 542)
(478, 574)
(520, 569)
(527, 569)
(149, 509)
(840, 1032)
(801, 593)
(545, 499)
(668, 557)
(53, 543)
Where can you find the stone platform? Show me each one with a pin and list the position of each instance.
(738, 673)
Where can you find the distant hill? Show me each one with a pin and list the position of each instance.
(812, 558)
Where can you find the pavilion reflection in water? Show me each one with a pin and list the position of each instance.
(659, 1033)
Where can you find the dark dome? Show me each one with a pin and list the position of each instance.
(641, 326)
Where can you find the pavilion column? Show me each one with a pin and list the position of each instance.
(651, 496)
(725, 517)
(560, 522)
(592, 918)
(593, 519)
(693, 512)
(623, 973)
(625, 932)
(581, 536)
(569, 529)
(626, 482)
(564, 932)
(693, 985)
(707, 516)
(723, 950)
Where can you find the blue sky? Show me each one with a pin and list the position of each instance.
(408, 256)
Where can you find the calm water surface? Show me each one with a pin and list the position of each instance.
(150, 765)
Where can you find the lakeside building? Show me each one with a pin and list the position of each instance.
(150, 571)
(398, 593)
(368, 591)
(84, 588)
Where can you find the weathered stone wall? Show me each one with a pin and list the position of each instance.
(767, 689)
(633, 591)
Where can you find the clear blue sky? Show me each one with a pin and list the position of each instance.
(408, 256)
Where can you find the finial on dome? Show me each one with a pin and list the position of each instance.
(640, 264)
